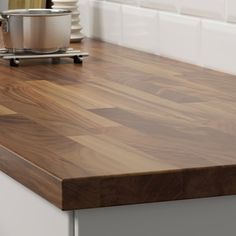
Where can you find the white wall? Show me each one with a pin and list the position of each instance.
(214, 9)
(3, 5)
(201, 32)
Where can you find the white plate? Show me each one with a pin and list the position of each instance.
(75, 21)
(65, 1)
(76, 37)
(75, 24)
(65, 7)
(75, 14)
(76, 28)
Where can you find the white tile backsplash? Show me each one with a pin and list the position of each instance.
(184, 34)
(231, 10)
(85, 16)
(168, 5)
(204, 8)
(218, 46)
(180, 37)
(140, 29)
(105, 21)
(127, 2)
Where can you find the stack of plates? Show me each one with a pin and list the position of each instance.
(73, 6)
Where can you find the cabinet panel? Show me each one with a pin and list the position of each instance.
(210, 216)
(23, 213)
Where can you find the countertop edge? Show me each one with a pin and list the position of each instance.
(148, 188)
(107, 191)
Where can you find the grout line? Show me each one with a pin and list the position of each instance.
(200, 44)
(122, 26)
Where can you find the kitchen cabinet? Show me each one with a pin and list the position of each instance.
(121, 145)
(19, 4)
(24, 213)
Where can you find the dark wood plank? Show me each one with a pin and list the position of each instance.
(124, 128)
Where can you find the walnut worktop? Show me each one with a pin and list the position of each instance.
(124, 128)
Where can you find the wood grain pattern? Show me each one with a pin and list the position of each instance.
(124, 128)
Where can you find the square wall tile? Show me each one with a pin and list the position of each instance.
(180, 37)
(231, 10)
(84, 16)
(128, 2)
(140, 29)
(205, 8)
(105, 21)
(167, 5)
(218, 46)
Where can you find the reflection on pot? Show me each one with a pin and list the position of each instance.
(37, 30)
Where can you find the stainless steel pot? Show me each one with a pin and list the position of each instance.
(36, 30)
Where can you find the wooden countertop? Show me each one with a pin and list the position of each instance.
(124, 128)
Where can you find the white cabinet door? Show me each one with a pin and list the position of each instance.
(23, 213)
(201, 217)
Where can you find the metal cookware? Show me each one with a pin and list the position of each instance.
(36, 30)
